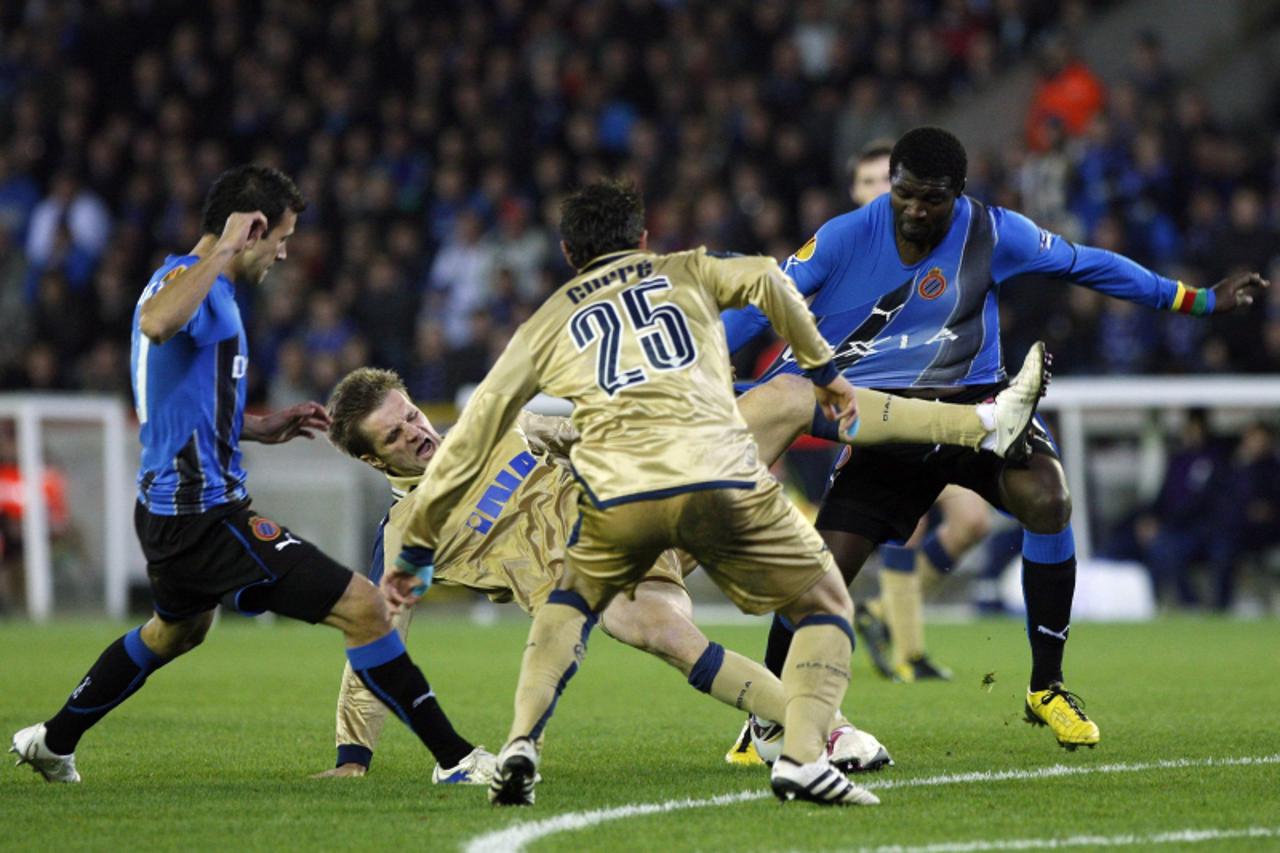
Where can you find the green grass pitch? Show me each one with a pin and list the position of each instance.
(216, 751)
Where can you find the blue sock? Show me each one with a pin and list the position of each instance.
(778, 644)
(117, 674)
(707, 667)
(1048, 586)
(898, 558)
(385, 668)
(937, 554)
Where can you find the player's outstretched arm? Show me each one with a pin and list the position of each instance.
(171, 305)
(303, 419)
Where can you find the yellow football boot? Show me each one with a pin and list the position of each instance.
(1061, 711)
(744, 752)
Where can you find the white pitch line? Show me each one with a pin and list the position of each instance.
(516, 838)
(1180, 836)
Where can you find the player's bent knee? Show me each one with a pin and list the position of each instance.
(362, 612)
(828, 596)
(173, 639)
(1048, 510)
(793, 394)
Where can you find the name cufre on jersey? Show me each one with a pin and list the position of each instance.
(499, 492)
(618, 275)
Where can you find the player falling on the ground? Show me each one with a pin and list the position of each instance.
(507, 535)
(203, 542)
(664, 460)
(906, 289)
(892, 624)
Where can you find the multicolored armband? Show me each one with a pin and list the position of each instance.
(1193, 300)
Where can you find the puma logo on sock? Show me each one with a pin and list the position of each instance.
(1060, 635)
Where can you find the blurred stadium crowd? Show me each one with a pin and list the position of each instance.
(434, 143)
(434, 147)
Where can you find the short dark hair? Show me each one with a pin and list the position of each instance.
(873, 150)
(931, 153)
(246, 188)
(355, 398)
(602, 217)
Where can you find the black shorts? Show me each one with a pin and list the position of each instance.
(881, 492)
(233, 556)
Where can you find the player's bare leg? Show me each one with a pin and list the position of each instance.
(659, 620)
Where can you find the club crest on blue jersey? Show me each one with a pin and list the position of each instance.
(933, 285)
(499, 492)
(264, 529)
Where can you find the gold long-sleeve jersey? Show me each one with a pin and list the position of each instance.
(506, 536)
(636, 343)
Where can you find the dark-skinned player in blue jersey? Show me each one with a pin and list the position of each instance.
(203, 542)
(905, 289)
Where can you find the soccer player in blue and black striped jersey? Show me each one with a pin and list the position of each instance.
(905, 289)
(204, 542)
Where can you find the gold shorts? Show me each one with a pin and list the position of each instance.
(753, 543)
(670, 567)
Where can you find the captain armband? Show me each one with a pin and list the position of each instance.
(1193, 300)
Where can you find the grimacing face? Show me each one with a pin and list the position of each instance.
(870, 180)
(402, 437)
(921, 207)
(257, 260)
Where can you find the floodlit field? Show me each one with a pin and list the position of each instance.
(215, 753)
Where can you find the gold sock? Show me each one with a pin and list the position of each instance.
(929, 576)
(748, 686)
(814, 680)
(903, 613)
(552, 654)
(886, 418)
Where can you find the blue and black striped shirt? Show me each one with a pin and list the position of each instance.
(189, 394)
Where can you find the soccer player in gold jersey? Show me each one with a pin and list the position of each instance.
(663, 460)
(508, 534)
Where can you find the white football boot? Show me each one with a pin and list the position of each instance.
(852, 750)
(28, 745)
(1015, 408)
(817, 782)
(476, 768)
(516, 774)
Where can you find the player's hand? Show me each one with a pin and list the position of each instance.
(401, 589)
(1237, 291)
(241, 231)
(838, 402)
(303, 419)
